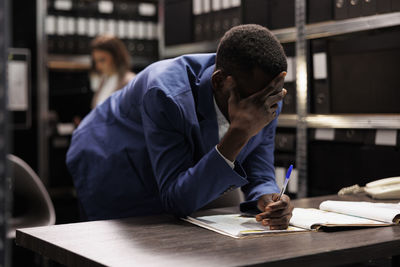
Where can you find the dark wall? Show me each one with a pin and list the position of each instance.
(23, 35)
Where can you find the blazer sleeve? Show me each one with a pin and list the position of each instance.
(259, 166)
(185, 184)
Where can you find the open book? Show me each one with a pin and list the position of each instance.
(331, 214)
(347, 214)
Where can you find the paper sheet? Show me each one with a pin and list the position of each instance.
(235, 225)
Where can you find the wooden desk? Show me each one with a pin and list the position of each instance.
(166, 241)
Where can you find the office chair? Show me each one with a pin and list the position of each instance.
(32, 205)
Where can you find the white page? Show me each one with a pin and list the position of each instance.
(291, 69)
(206, 6)
(82, 26)
(386, 137)
(50, 25)
(105, 7)
(226, 4)
(320, 66)
(17, 85)
(71, 26)
(61, 26)
(147, 9)
(325, 134)
(216, 5)
(63, 4)
(235, 225)
(101, 23)
(111, 26)
(236, 3)
(121, 29)
(384, 212)
(196, 7)
(313, 218)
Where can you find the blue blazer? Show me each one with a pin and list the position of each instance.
(149, 148)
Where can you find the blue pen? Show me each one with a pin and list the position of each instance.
(289, 171)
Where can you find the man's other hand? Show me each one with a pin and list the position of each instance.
(274, 213)
(253, 113)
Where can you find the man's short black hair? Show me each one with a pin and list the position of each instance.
(245, 47)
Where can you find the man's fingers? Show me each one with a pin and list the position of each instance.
(274, 99)
(274, 87)
(278, 205)
(273, 214)
(276, 84)
(231, 84)
(277, 222)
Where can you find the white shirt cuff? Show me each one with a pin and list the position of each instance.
(230, 163)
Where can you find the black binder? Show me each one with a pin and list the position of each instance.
(178, 22)
(395, 5)
(127, 10)
(285, 147)
(347, 160)
(255, 11)
(340, 9)
(230, 17)
(289, 102)
(383, 6)
(319, 10)
(281, 14)
(354, 8)
(364, 72)
(285, 142)
(209, 19)
(321, 97)
(198, 28)
(320, 91)
(369, 7)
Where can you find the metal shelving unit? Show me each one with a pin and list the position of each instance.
(83, 62)
(358, 121)
(313, 31)
(4, 180)
(288, 35)
(301, 97)
(288, 120)
(65, 62)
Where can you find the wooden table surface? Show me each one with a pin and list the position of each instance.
(167, 241)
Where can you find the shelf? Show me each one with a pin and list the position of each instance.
(350, 121)
(287, 120)
(199, 47)
(332, 28)
(83, 62)
(313, 31)
(68, 62)
(354, 121)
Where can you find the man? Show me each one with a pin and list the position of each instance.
(185, 131)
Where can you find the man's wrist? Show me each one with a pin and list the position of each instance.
(232, 143)
(230, 163)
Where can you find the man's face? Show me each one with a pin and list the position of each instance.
(252, 82)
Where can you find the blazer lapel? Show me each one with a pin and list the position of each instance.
(206, 112)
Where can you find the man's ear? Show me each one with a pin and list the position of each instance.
(217, 79)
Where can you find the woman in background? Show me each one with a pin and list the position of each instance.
(110, 67)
